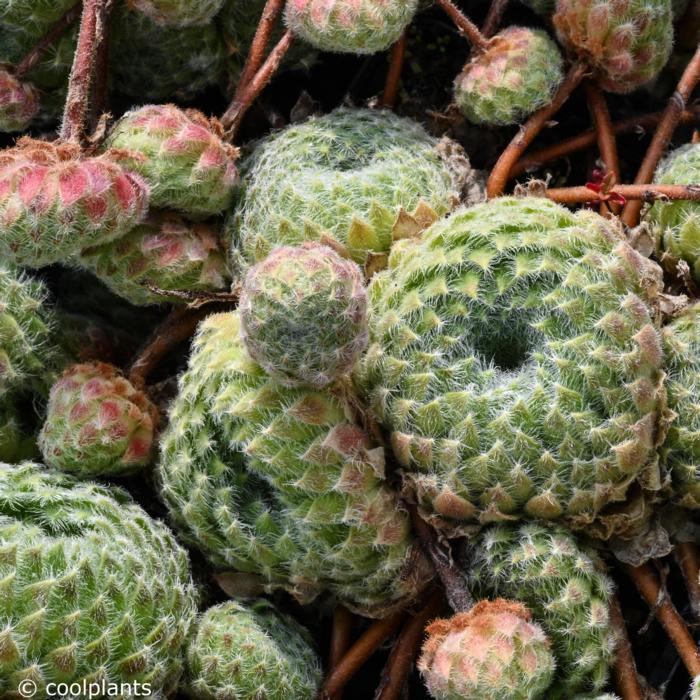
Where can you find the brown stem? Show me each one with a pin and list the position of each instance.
(602, 123)
(373, 637)
(588, 138)
(179, 325)
(99, 93)
(494, 17)
(76, 109)
(664, 132)
(256, 53)
(641, 193)
(625, 668)
(234, 114)
(657, 599)
(478, 41)
(458, 594)
(688, 558)
(398, 666)
(391, 87)
(501, 171)
(340, 639)
(34, 56)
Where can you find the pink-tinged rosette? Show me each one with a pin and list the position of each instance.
(350, 26)
(19, 102)
(166, 251)
(492, 651)
(53, 202)
(516, 75)
(97, 423)
(627, 42)
(182, 156)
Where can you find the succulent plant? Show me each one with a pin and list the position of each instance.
(350, 26)
(167, 251)
(516, 75)
(97, 423)
(27, 323)
(682, 447)
(677, 223)
(515, 359)
(53, 202)
(19, 102)
(178, 13)
(181, 155)
(304, 314)
(94, 590)
(282, 483)
(251, 651)
(347, 176)
(492, 651)
(627, 42)
(173, 62)
(563, 584)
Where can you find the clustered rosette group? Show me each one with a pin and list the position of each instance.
(504, 367)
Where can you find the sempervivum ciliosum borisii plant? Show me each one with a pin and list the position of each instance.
(53, 202)
(627, 42)
(165, 251)
(97, 423)
(492, 651)
(180, 13)
(350, 26)
(19, 102)
(347, 175)
(26, 327)
(174, 62)
(251, 651)
(563, 585)
(181, 155)
(515, 76)
(682, 446)
(93, 589)
(515, 359)
(282, 482)
(677, 224)
(304, 314)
